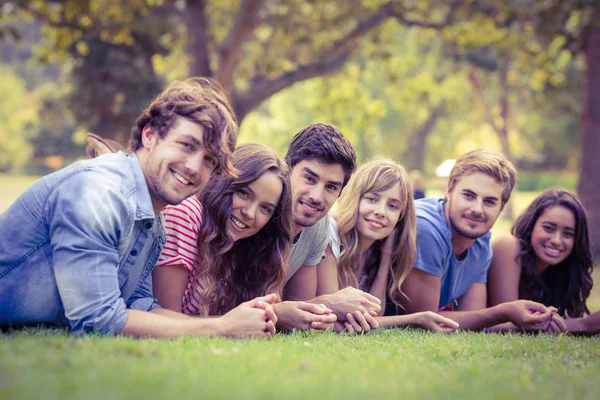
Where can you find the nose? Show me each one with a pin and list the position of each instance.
(555, 239)
(195, 164)
(316, 193)
(380, 209)
(249, 210)
(477, 207)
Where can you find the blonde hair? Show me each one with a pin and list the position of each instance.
(491, 163)
(376, 176)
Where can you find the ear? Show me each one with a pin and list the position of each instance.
(448, 189)
(149, 137)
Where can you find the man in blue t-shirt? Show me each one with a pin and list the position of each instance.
(454, 253)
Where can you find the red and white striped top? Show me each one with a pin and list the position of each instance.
(182, 223)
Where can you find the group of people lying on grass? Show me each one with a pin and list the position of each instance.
(188, 234)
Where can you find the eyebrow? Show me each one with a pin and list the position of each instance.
(566, 228)
(313, 173)
(469, 191)
(254, 195)
(194, 140)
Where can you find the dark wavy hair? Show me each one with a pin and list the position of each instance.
(202, 101)
(567, 285)
(242, 270)
(325, 143)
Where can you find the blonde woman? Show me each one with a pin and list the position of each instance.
(373, 233)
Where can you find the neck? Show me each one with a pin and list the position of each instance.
(157, 205)
(297, 229)
(460, 244)
(541, 266)
(364, 244)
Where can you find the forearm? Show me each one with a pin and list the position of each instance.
(379, 290)
(503, 328)
(164, 324)
(584, 326)
(396, 321)
(477, 320)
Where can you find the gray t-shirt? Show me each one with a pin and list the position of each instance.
(310, 247)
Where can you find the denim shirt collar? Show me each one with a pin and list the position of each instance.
(144, 208)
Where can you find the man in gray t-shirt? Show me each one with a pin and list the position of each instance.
(321, 161)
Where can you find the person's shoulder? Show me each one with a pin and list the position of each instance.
(318, 230)
(430, 217)
(505, 243)
(431, 208)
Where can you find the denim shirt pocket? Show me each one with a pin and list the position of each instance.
(143, 255)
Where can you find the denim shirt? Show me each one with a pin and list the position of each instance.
(78, 247)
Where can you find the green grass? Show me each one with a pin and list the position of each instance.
(397, 363)
(48, 363)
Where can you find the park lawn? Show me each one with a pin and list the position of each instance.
(49, 364)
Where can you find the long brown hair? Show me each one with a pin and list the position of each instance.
(567, 285)
(234, 272)
(376, 176)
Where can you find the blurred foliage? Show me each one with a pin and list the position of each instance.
(535, 181)
(19, 116)
(392, 75)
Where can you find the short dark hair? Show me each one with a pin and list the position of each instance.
(202, 101)
(325, 143)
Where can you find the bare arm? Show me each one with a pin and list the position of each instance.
(327, 275)
(505, 272)
(426, 320)
(302, 285)
(423, 291)
(589, 325)
(380, 283)
(169, 283)
(255, 318)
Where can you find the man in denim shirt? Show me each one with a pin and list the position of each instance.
(79, 246)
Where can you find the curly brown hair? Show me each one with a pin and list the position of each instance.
(234, 272)
(202, 101)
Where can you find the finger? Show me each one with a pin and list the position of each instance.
(352, 322)
(313, 308)
(360, 318)
(553, 309)
(372, 299)
(553, 328)
(270, 328)
(371, 321)
(449, 323)
(560, 323)
(321, 326)
(533, 307)
(349, 328)
(270, 314)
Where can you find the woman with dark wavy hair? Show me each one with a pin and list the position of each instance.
(547, 258)
(230, 243)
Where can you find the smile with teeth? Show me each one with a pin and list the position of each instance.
(310, 207)
(180, 178)
(239, 224)
(374, 223)
(552, 251)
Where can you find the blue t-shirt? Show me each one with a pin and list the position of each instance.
(435, 256)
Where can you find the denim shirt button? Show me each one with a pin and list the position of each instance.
(134, 252)
(148, 225)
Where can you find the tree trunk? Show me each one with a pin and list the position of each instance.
(589, 176)
(197, 40)
(414, 156)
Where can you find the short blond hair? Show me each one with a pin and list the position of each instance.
(488, 162)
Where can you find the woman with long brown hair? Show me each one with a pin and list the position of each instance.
(547, 258)
(230, 243)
